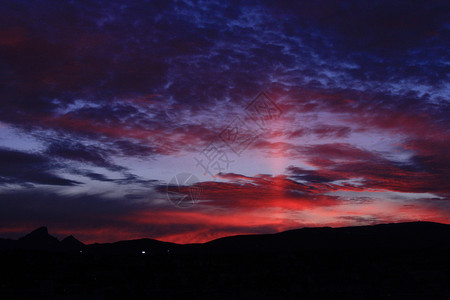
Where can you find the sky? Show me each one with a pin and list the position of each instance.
(186, 121)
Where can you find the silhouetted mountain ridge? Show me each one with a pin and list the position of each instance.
(71, 243)
(396, 235)
(398, 261)
(40, 239)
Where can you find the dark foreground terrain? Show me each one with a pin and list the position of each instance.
(392, 261)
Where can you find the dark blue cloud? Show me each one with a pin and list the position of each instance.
(24, 168)
(201, 54)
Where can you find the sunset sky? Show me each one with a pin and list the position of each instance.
(103, 103)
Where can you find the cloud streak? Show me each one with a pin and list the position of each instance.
(102, 97)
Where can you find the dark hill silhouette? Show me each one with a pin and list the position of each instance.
(149, 246)
(7, 244)
(391, 261)
(38, 239)
(41, 240)
(389, 236)
(70, 243)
